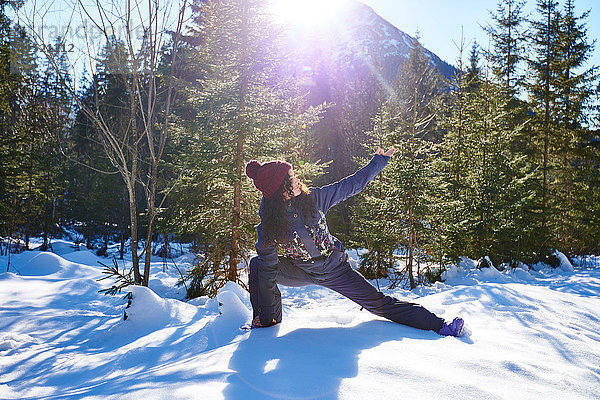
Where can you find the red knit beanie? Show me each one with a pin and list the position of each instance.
(269, 176)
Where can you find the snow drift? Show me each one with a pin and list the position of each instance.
(534, 333)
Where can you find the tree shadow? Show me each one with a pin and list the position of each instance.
(308, 362)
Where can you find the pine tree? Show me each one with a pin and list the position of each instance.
(574, 81)
(379, 224)
(508, 38)
(486, 189)
(587, 205)
(473, 72)
(449, 215)
(13, 85)
(502, 179)
(354, 95)
(17, 79)
(40, 115)
(57, 105)
(8, 200)
(244, 109)
(559, 93)
(96, 200)
(402, 195)
(542, 91)
(29, 126)
(574, 87)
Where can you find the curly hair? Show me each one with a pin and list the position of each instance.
(274, 216)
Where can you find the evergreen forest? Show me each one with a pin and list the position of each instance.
(498, 161)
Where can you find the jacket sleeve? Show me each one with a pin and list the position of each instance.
(268, 292)
(330, 195)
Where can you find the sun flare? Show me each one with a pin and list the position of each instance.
(306, 11)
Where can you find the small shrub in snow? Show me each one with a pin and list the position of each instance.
(555, 260)
(434, 274)
(485, 262)
(552, 260)
(375, 264)
(122, 279)
(204, 279)
(564, 262)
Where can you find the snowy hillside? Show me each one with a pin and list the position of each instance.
(533, 334)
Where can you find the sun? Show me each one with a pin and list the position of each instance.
(306, 12)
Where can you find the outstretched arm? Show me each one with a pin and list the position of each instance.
(330, 195)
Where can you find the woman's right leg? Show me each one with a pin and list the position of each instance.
(288, 274)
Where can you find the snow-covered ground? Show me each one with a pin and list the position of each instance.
(533, 334)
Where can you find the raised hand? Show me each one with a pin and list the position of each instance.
(387, 153)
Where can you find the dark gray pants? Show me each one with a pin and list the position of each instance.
(340, 277)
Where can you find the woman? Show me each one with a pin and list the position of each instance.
(293, 219)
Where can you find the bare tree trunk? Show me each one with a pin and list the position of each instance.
(459, 130)
(28, 208)
(130, 179)
(151, 215)
(237, 209)
(410, 240)
(130, 182)
(239, 158)
(122, 227)
(509, 47)
(8, 264)
(546, 124)
(411, 223)
(156, 154)
(485, 188)
(134, 241)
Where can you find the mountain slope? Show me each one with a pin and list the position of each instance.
(356, 35)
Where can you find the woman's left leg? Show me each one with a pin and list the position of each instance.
(354, 286)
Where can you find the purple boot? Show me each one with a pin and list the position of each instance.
(455, 328)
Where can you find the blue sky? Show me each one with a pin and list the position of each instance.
(439, 22)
